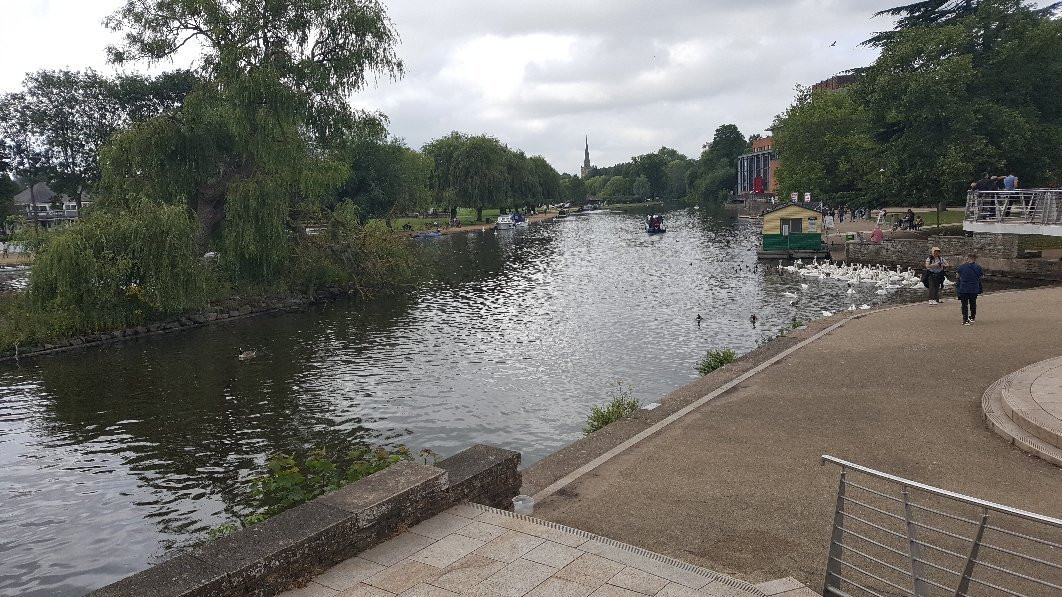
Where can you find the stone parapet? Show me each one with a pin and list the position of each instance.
(272, 556)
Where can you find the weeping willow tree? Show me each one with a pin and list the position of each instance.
(262, 137)
(114, 270)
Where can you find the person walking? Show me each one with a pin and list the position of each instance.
(935, 266)
(968, 287)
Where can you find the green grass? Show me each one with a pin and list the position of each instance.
(1036, 242)
(633, 205)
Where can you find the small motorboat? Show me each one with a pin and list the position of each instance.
(562, 214)
(428, 234)
(654, 224)
(507, 221)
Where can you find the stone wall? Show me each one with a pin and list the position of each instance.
(997, 254)
(996, 246)
(272, 556)
(905, 252)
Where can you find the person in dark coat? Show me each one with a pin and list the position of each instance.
(968, 287)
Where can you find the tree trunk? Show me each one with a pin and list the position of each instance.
(479, 214)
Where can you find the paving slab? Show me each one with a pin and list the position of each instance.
(512, 563)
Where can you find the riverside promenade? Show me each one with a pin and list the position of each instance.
(735, 485)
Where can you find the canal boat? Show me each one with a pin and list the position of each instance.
(654, 224)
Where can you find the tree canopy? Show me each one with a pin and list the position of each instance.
(960, 88)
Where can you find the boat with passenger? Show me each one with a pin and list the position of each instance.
(654, 224)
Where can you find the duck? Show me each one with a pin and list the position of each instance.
(247, 354)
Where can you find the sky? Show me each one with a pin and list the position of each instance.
(632, 75)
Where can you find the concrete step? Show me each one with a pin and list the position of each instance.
(1030, 411)
(998, 421)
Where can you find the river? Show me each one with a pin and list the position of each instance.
(112, 457)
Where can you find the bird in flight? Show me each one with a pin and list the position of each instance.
(833, 44)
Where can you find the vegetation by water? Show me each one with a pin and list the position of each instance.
(715, 359)
(288, 482)
(623, 404)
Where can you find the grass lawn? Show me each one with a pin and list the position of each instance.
(633, 205)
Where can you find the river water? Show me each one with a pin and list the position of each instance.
(113, 457)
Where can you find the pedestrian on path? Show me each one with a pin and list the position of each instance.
(935, 265)
(968, 287)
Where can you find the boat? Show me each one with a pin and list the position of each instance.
(428, 234)
(507, 221)
(654, 224)
(562, 214)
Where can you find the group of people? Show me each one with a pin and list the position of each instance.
(968, 286)
(995, 183)
(839, 213)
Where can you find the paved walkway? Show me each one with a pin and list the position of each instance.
(479, 551)
(735, 485)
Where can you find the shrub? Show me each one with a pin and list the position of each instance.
(623, 404)
(715, 359)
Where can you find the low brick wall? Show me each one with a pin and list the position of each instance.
(272, 556)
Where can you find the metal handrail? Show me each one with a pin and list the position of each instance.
(888, 528)
(945, 493)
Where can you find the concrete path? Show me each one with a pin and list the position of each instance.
(735, 486)
(479, 551)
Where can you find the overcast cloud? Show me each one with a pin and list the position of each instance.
(633, 75)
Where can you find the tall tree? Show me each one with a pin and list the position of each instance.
(54, 128)
(714, 175)
(264, 137)
(939, 13)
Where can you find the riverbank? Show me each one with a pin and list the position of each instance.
(478, 226)
(735, 485)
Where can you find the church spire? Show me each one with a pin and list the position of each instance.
(586, 160)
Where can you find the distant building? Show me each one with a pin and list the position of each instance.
(756, 169)
(835, 82)
(47, 208)
(584, 170)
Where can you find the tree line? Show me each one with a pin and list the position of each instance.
(669, 175)
(960, 88)
(255, 158)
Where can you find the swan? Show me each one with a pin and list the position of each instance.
(864, 306)
(827, 313)
(789, 294)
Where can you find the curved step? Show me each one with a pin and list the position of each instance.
(997, 420)
(1025, 402)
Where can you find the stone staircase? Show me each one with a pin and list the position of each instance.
(1025, 408)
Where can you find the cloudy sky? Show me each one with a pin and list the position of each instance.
(632, 74)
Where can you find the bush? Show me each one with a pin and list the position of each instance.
(715, 359)
(623, 404)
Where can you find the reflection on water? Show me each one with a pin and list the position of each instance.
(113, 456)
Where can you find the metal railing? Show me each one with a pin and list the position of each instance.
(894, 536)
(1026, 206)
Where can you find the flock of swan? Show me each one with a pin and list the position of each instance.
(883, 278)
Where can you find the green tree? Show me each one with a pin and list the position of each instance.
(54, 128)
(617, 186)
(641, 187)
(675, 178)
(940, 115)
(263, 137)
(714, 175)
(574, 189)
(825, 147)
